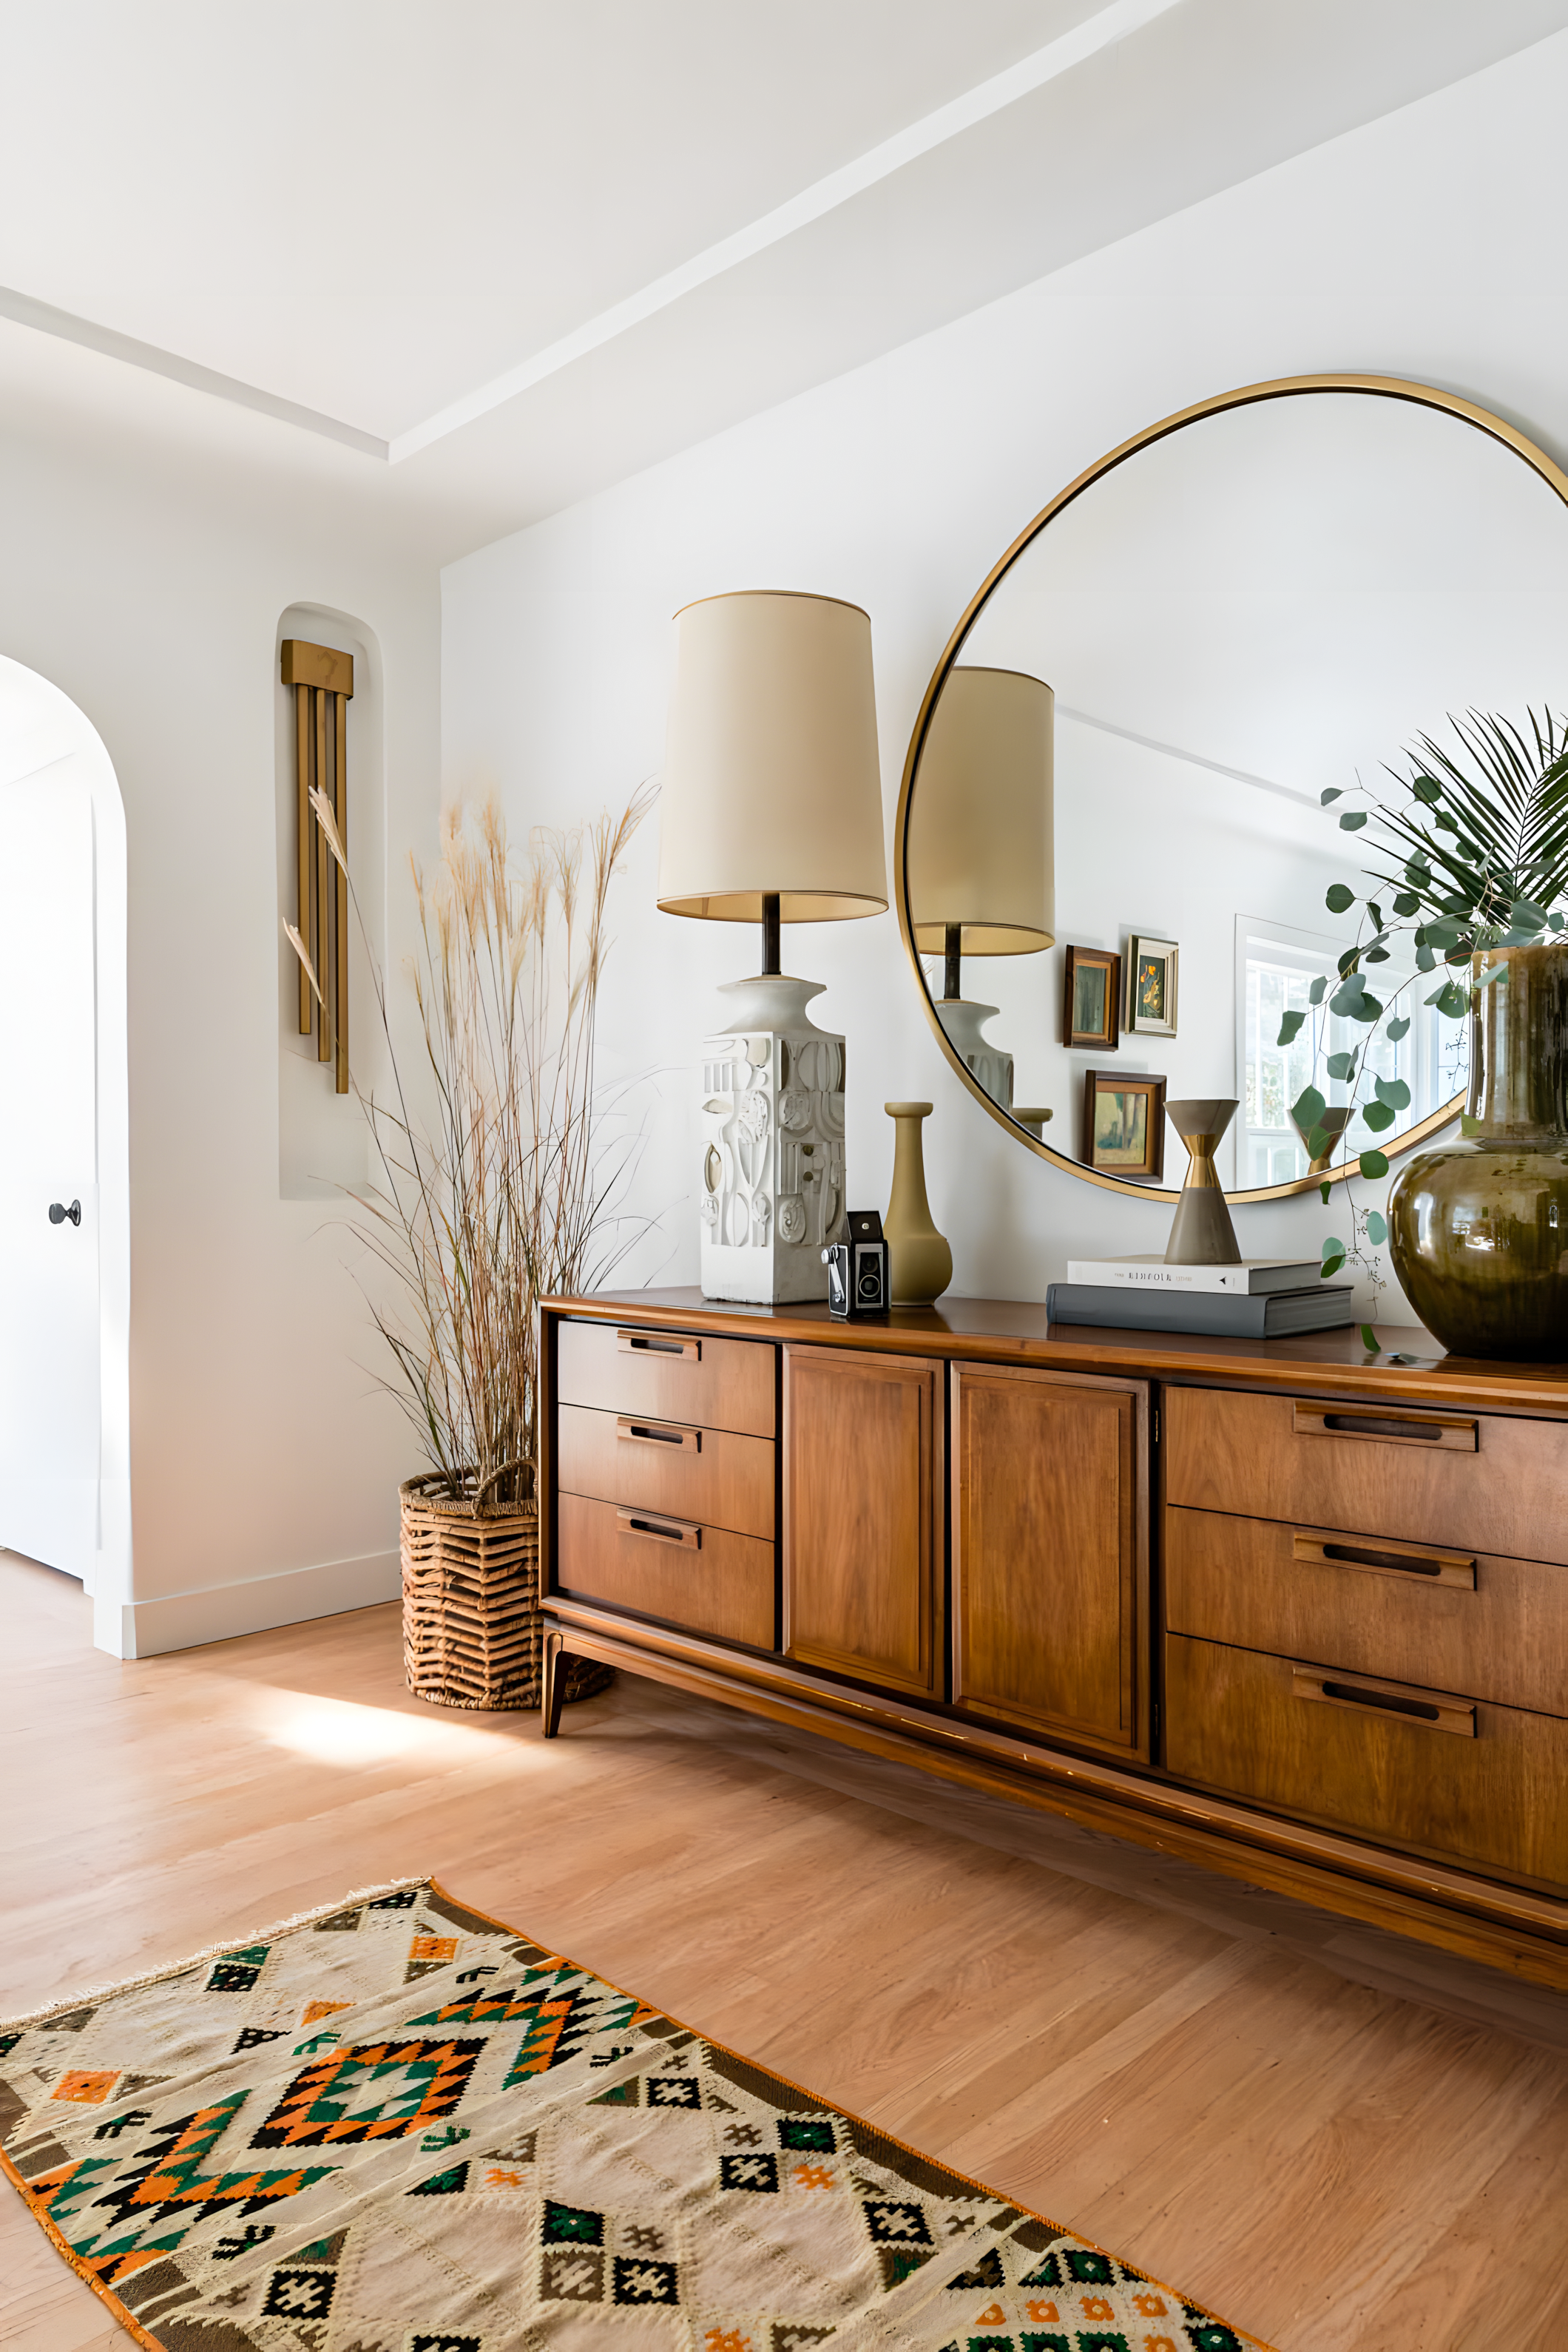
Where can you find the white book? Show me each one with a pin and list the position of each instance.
(1252, 1277)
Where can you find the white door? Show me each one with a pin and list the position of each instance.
(49, 1316)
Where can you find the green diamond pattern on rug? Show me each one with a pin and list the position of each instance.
(400, 2127)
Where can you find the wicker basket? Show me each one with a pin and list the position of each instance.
(472, 1629)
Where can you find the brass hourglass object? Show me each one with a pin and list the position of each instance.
(1201, 1230)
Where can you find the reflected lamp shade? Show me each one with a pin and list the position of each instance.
(771, 777)
(982, 844)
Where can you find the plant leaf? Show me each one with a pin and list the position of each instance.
(1378, 1116)
(1406, 903)
(1337, 898)
(1374, 1164)
(1369, 1339)
(1354, 819)
(1334, 793)
(1318, 989)
(1341, 1066)
(1308, 1107)
(1324, 1189)
(1397, 1028)
(1376, 1227)
(1289, 1027)
(1395, 1092)
(1330, 1265)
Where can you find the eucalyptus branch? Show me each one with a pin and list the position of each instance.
(1478, 845)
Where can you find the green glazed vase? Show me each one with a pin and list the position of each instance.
(1478, 1228)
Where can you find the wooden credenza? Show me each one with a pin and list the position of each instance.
(1293, 1613)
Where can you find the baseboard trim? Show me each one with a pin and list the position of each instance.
(186, 1621)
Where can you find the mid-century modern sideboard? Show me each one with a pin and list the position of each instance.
(1288, 1611)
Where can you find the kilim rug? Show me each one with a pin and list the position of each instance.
(400, 2127)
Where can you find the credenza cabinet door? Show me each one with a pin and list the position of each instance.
(1050, 1552)
(862, 1516)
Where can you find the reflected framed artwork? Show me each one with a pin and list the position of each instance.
(1151, 986)
(1124, 1124)
(1091, 999)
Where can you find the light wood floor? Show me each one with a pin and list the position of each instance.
(1335, 2139)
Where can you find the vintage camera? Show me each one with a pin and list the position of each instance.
(857, 1277)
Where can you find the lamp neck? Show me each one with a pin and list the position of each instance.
(952, 982)
(770, 964)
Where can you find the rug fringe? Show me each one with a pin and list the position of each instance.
(212, 1952)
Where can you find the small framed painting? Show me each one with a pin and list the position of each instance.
(1091, 999)
(1124, 1123)
(1151, 986)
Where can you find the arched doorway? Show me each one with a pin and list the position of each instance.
(64, 1277)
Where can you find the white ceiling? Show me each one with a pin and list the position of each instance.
(370, 206)
(519, 250)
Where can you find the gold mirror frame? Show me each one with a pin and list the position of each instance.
(1385, 388)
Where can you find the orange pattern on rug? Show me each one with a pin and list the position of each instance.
(401, 2126)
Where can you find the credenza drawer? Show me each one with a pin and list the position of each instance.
(677, 1376)
(1471, 1481)
(1401, 1764)
(1495, 1629)
(706, 1579)
(697, 1473)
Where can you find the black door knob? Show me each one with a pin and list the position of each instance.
(58, 1213)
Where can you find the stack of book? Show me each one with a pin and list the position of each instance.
(1260, 1298)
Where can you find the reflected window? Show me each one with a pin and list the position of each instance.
(1276, 966)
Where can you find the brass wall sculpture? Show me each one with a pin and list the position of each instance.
(323, 683)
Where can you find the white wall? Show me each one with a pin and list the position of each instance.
(147, 582)
(1421, 246)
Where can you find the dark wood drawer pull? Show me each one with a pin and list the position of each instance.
(659, 1343)
(670, 1532)
(1385, 1698)
(1422, 1709)
(1387, 1429)
(659, 1433)
(1453, 1569)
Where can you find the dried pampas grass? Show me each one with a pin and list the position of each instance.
(506, 1192)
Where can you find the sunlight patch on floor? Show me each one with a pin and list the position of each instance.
(336, 1731)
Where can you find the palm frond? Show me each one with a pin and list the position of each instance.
(1506, 791)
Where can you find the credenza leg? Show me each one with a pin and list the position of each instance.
(552, 1683)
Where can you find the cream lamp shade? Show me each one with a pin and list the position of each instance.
(982, 847)
(772, 787)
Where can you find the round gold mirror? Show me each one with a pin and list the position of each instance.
(1112, 850)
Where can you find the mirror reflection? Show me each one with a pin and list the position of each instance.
(1116, 855)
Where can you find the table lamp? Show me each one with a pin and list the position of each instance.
(772, 813)
(982, 847)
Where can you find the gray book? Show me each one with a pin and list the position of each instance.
(1230, 1315)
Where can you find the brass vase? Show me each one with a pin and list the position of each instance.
(920, 1263)
(1479, 1228)
(1201, 1230)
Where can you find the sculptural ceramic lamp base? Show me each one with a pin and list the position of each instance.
(1201, 1230)
(920, 1263)
(963, 1024)
(771, 1188)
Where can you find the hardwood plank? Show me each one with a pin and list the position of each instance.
(1337, 2166)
